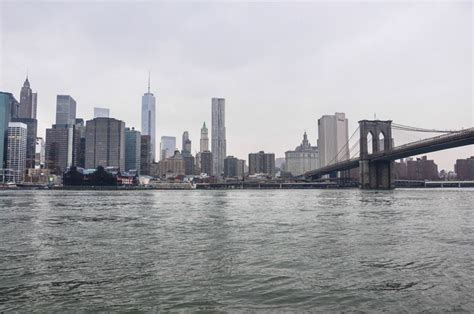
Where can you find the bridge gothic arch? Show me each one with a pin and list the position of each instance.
(375, 174)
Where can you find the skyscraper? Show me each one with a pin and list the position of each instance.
(28, 99)
(101, 112)
(332, 138)
(145, 155)
(149, 119)
(167, 147)
(218, 136)
(31, 132)
(206, 162)
(204, 143)
(16, 151)
(8, 104)
(186, 143)
(105, 143)
(62, 145)
(65, 110)
(132, 149)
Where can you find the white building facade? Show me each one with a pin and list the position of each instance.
(303, 159)
(332, 139)
(218, 136)
(16, 151)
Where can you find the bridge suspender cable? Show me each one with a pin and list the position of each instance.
(344, 147)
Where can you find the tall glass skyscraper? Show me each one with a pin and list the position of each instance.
(149, 119)
(168, 146)
(218, 144)
(65, 110)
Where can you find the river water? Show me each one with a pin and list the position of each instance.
(320, 250)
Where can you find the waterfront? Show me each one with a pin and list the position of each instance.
(324, 250)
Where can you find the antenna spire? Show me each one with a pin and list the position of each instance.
(148, 81)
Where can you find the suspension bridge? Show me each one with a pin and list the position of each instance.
(374, 152)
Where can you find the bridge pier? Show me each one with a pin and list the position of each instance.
(376, 174)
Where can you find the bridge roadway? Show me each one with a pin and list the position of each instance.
(432, 144)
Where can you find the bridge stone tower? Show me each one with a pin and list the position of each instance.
(375, 174)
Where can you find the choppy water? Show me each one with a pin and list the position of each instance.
(333, 250)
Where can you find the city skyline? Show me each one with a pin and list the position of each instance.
(310, 93)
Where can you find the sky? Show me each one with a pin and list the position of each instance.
(279, 65)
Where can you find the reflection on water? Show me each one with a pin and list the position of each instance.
(334, 250)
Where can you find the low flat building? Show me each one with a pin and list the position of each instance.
(173, 166)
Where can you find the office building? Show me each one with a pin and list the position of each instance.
(231, 167)
(332, 139)
(28, 100)
(218, 136)
(105, 143)
(145, 155)
(101, 112)
(149, 119)
(16, 151)
(241, 166)
(81, 150)
(8, 106)
(61, 148)
(262, 162)
(173, 166)
(206, 162)
(167, 147)
(204, 142)
(186, 142)
(132, 149)
(464, 168)
(31, 132)
(40, 152)
(65, 110)
(303, 159)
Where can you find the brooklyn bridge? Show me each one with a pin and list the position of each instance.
(374, 152)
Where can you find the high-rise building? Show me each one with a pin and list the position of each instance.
(464, 168)
(105, 143)
(132, 149)
(62, 145)
(149, 119)
(81, 150)
(8, 107)
(101, 112)
(204, 142)
(186, 144)
(40, 152)
(65, 110)
(31, 132)
(218, 136)
(332, 139)
(16, 151)
(28, 99)
(206, 162)
(145, 155)
(303, 159)
(167, 147)
(231, 165)
(262, 162)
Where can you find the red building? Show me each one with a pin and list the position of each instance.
(464, 168)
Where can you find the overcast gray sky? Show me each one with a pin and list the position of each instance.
(280, 66)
